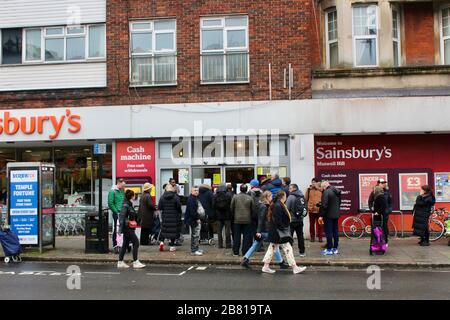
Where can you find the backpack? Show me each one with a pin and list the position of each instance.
(221, 204)
(300, 207)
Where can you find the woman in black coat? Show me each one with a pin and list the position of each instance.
(146, 213)
(379, 207)
(170, 207)
(422, 211)
(128, 214)
(280, 234)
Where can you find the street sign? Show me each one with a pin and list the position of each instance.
(100, 148)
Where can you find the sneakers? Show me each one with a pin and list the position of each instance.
(327, 252)
(283, 265)
(197, 253)
(138, 265)
(245, 263)
(267, 270)
(298, 269)
(302, 254)
(335, 251)
(122, 265)
(161, 246)
(172, 249)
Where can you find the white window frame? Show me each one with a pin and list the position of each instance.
(225, 48)
(441, 33)
(398, 39)
(77, 35)
(153, 52)
(24, 46)
(327, 40)
(88, 29)
(59, 36)
(355, 37)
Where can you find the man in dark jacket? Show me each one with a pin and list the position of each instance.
(222, 205)
(192, 219)
(330, 213)
(242, 209)
(274, 185)
(146, 213)
(205, 196)
(296, 195)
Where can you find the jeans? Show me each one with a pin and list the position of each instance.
(298, 228)
(115, 216)
(227, 226)
(313, 225)
(257, 245)
(244, 230)
(332, 232)
(195, 237)
(129, 236)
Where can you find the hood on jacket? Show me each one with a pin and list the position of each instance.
(277, 182)
(204, 188)
(222, 188)
(297, 193)
(114, 187)
(336, 191)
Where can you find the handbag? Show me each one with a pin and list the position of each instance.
(201, 211)
(132, 224)
(284, 235)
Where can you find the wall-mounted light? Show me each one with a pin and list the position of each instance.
(180, 154)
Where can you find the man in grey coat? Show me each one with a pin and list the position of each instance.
(242, 209)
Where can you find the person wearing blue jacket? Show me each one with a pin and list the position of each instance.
(274, 185)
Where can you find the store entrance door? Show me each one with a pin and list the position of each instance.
(222, 174)
(239, 175)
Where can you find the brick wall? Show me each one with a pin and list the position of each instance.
(419, 33)
(279, 34)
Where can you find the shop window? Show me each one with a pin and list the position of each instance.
(173, 150)
(365, 35)
(6, 156)
(207, 148)
(445, 35)
(11, 46)
(396, 37)
(153, 53)
(267, 171)
(331, 38)
(224, 50)
(36, 155)
(239, 147)
(267, 147)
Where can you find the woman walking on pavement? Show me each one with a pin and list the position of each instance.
(127, 217)
(262, 233)
(422, 211)
(279, 234)
(170, 207)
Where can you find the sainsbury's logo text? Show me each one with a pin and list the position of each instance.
(353, 153)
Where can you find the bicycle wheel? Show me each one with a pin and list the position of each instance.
(392, 229)
(436, 229)
(353, 227)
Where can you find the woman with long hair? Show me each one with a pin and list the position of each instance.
(422, 211)
(262, 232)
(279, 219)
(127, 215)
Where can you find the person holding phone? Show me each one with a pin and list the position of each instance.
(127, 219)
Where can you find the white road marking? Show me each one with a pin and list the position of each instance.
(182, 273)
(92, 272)
(163, 274)
(201, 268)
(192, 267)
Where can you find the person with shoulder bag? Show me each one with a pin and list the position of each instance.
(128, 224)
(280, 235)
(296, 205)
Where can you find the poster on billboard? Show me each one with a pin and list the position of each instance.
(409, 185)
(23, 199)
(135, 159)
(442, 186)
(367, 181)
(343, 181)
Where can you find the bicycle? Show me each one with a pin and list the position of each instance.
(436, 223)
(354, 227)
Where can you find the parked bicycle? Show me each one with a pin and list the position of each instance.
(436, 223)
(355, 227)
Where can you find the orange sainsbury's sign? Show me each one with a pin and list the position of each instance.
(30, 124)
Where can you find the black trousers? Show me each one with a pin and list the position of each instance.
(129, 236)
(386, 228)
(298, 228)
(145, 236)
(115, 216)
(244, 231)
(426, 236)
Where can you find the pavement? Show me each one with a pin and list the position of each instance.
(403, 252)
(58, 281)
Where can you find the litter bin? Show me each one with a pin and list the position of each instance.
(96, 232)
